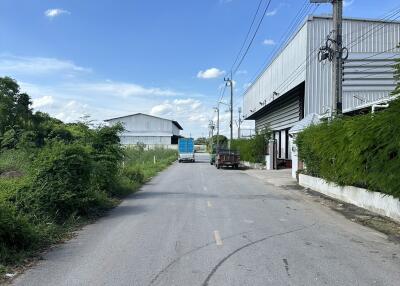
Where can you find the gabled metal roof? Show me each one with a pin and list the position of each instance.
(135, 114)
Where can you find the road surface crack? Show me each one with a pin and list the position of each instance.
(165, 269)
(214, 270)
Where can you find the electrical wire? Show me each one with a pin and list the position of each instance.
(390, 14)
(285, 35)
(294, 75)
(254, 35)
(247, 35)
(379, 27)
(265, 65)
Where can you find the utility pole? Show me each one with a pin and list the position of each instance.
(211, 128)
(230, 83)
(239, 121)
(217, 109)
(335, 54)
(338, 64)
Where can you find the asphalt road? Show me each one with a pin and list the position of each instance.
(196, 225)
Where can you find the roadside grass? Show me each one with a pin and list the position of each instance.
(148, 162)
(38, 208)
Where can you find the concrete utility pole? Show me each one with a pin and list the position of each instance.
(338, 61)
(337, 75)
(211, 129)
(229, 82)
(217, 109)
(239, 121)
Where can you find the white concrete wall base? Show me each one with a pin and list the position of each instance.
(253, 165)
(268, 162)
(379, 203)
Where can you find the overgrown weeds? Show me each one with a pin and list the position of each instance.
(58, 176)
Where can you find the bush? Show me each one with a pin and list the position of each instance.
(361, 151)
(60, 183)
(134, 174)
(16, 234)
(253, 149)
(144, 160)
(15, 160)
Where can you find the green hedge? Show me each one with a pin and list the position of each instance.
(361, 151)
(253, 149)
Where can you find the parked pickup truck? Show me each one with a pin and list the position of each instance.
(186, 149)
(225, 158)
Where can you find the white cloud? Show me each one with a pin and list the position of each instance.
(348, 3)
(164, 109)
(42, 101)
(10, 64)
(190, 103)
(69, 98)
(273, 12)
(190, 112)
(210, 73)
(269, 42)
(182, 108)
(51, 13)
(123, 89)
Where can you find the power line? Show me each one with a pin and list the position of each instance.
(299, 16)
(364, 36)
(222, 93)
(390, 14)
(301, 68)
(254, 35)
(247, 35)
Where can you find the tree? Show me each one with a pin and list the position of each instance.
(200, 141)
(221, 139)
(15, 111)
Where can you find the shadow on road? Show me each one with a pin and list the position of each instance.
(125, 210)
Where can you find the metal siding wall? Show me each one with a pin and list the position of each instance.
(277, 76)
(144, 123)
(147, 140)
(175, 130)
(319, 76)
(281, 117)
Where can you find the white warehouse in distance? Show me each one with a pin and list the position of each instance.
(149, 130)
(296, 84)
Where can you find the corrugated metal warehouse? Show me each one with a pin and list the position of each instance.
(149, 130)
(296, 84)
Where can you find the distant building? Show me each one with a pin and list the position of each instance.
(147, 129)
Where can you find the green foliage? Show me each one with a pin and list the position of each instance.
(16, 234)
(55, 175)
(14, 106)
(15, 160)
(134, 173)
(200, 141)
(107, 155)
(144, 160)
(253, 149)
(215, 141)
(60, 183)
(360, 151)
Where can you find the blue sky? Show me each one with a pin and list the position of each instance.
(110, 58)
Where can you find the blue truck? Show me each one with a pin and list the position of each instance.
(186, 150)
